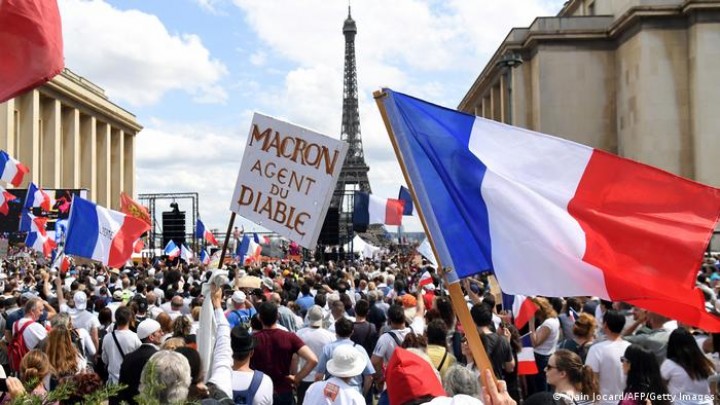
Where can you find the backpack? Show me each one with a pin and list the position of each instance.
(246, 397)
(17, 348)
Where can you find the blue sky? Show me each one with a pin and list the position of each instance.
(193, 71)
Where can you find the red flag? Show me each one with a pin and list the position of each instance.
(31, 43)
(134, 209)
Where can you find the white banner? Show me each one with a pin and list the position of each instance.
(287, 178)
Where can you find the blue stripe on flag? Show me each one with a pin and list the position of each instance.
(200, 230)
(83, 229)
(361, 211)
(407, 198)
(446, 178)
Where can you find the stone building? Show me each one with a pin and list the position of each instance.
(639, 78)
(72, 136)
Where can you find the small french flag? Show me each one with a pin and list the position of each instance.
(172, 250)
(36, 197)
(5, 198)
(11, 170)
(186, 254)
(526, 357)
(405, 195)
(38, 239)
(425, 279)
(369, 209)
(204, 257)
(523, 308)
(203, 233)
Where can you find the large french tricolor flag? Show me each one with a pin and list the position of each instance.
(552, 217)
(11, 170)
(101, 234)
(369, 209)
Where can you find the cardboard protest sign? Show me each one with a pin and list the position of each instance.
(287, 178)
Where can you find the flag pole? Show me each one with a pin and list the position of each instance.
(456, 296)
(227, 240)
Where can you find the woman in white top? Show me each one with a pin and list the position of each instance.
(544, 339)
(686, 369)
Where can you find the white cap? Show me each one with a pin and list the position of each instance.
(80, 300)
(147, 328)
(347, 361)
(238, 297)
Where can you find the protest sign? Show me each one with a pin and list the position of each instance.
(287, 178)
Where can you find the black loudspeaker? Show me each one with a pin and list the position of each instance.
(173, 223)
(330, 233)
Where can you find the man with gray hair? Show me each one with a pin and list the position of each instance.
(166, 377)
(460, 380)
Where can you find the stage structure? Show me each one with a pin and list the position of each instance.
(174, 224)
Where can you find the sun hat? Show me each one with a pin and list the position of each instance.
(147, 328)
(347, 361)
(315, 316)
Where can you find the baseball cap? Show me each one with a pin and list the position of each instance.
(147, 328)
(80, 299)
(315, 316)
(238, 297)
(118, 295)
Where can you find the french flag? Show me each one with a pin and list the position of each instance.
(171, 250)
(249, 250)
(186, 254)
(204, 257)
(499, 198)
(38, 239)
(526, 358)
(202, 233)
(11, 170)
(5, 198)
(425, 279)
(101, 234)
(406, 197)
(523, 308)
(369, 209)
(37, 197)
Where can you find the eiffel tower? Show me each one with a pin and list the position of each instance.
(354, 173)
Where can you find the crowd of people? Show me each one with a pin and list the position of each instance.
(361, 332)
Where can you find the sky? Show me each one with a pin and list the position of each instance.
(194, 71)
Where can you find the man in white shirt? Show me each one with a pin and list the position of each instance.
(604, 358)
(388, 341)
(119, 343)
(34, 332)
(316, 338)
(81, 318)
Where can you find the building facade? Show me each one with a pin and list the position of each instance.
(638, 78)
(71, 135)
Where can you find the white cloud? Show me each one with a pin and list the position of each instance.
(258, 58)
(431, 49)
(134, 58)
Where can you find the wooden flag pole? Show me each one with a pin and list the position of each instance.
(456, 296)
(227, 240)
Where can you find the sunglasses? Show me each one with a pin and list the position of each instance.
(549, 367)
(463, 340)
(624, 359)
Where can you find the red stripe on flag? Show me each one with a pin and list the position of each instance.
(124, 241)
(647, 230)
(527, 310)
(22, 170)
(394, 211)
(31, 40)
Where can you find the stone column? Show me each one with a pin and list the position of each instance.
(117, 167)
(71, 148)
(7, 126)
(129, 166)
(29, 109)
(88, 155)
(51, 144)
(103, 164)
